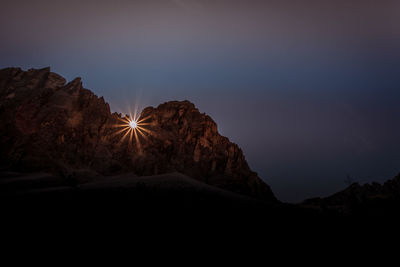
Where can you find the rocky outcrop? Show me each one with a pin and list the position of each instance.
(48, 124)
(188, 141)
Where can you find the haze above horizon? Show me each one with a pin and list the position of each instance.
(308, 89)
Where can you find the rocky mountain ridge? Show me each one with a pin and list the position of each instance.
(50, 125)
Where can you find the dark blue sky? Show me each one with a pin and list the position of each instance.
(309, 89)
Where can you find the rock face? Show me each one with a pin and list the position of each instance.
(48, 124)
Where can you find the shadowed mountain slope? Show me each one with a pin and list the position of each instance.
(53, 126)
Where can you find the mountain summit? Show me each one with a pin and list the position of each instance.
(50, 125)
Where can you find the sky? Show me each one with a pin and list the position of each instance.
(309, 90)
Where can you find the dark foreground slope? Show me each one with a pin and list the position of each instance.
(48, 125)
(166, 201)
(169, 192)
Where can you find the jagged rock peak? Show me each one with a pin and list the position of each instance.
(192, 145)
(50, 125)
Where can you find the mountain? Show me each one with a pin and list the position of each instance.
(49, 125)
(368, 199)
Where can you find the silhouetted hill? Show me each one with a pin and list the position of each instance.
(368, 199)
(170, 191)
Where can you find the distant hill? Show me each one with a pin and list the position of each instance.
(368, 199)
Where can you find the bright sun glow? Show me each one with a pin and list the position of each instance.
(133, 127)
(133, 124)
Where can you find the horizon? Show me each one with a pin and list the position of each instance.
(309, 91)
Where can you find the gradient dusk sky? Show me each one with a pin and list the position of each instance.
(310, 90)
